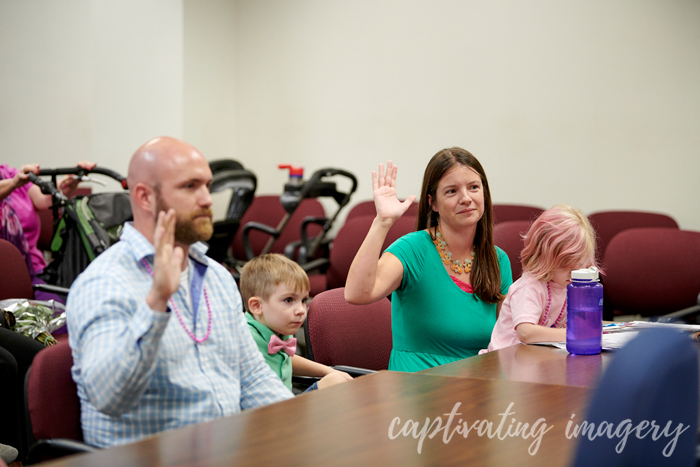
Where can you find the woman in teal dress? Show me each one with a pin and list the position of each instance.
(447, 280)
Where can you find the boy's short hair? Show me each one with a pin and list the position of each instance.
(261, 275)
(561, 237)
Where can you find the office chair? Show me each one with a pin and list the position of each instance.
(607, 224)
(508, 236)
(53, 406)
(515, 212)
(15, 281)
(652, 271)
(653, 378)
(342, 335)
(345, 246)
(366, 208)
(267, 210)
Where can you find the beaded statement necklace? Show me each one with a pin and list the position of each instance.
(456, 265)
(546, 312)
(182, 322)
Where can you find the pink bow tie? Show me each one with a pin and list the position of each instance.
(276, 344)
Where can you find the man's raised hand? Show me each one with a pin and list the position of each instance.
(167, 262)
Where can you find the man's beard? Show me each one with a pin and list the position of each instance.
(189, 230)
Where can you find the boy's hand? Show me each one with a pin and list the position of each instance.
(333, 378)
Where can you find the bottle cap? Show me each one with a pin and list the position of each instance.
(294, 171)
(590, 274)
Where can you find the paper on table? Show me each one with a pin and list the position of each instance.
(615, 327)
(609, 342)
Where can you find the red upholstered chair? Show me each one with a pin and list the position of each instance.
(46, 233)
(509, 237)
(515, 212)
(266, 209)
(15, 281)
(366, 208)
(345, 246)
(338, 333)
(607, 224)
(652, 271)
(53, 405)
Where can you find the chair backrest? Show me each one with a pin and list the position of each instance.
(43, 243)
(652, 271)
(348, 241)
(366, 208)
(515, 212)
(15, 281)
(509, 237)
(607, 224)
(52, 396)
(654, 378)
(267, 209)
(342, 334)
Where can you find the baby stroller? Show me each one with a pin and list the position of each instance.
(295, 191)
(230, 175)
(84, 226)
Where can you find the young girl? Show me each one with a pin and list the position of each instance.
(558, 242)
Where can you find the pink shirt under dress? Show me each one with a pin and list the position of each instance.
(526, 302)
(462, 285)
(28, 217)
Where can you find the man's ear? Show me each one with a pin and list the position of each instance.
(144, 196)
(255, 306)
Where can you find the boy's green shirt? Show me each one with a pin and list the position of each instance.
(281, 363)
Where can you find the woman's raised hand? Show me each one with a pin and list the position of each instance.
(386, 202)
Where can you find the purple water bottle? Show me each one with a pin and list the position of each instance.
(584, 316)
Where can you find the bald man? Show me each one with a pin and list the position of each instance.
(158, 334)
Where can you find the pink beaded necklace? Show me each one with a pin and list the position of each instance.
(182, 322)
(546, 312)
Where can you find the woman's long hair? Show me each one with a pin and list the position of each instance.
(486, 273)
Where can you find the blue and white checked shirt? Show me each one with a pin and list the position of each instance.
(138, 371)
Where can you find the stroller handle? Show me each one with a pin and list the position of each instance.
(47, 188)
(79, 171)
(341, 198)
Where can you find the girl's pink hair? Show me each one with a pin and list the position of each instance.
(561, 237)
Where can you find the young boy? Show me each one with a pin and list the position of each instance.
(274, 291)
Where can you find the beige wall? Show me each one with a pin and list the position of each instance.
(83, 79)
(594, 103)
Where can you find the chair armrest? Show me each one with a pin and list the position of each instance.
(354, 371)
(52, 288)
(306, 381)
(315, 264)
(260, 227)
(56, 447)
(681, 315)
(302, 383)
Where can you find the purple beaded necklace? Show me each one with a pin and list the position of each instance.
(182, 322)
(546, 312)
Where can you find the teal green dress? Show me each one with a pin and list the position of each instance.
(433, 321)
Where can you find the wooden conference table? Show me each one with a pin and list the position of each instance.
(532, 364)
(351, 424)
